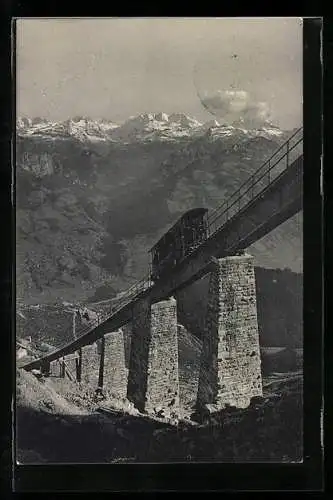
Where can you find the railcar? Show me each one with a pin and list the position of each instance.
(183, 237)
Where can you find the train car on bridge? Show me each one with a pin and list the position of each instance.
(185, 236)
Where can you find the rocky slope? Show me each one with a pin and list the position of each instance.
(53, 427)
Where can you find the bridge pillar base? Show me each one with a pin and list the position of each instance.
(45, 368)
(153, 384)
(54, 369)
(230, 371)
(90, 362)
(115, 373)
(71, 368)
(62, 367)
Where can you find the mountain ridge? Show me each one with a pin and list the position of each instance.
(87, 212)
(144, 126)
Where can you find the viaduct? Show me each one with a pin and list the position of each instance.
(230, 370)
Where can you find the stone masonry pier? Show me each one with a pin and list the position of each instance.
(90, 363)
(230, 372)
(55, 370)
(71, 366)
(115, 372)
(153, 384)
(230, 366)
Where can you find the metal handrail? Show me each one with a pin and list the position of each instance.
(252, 182)
(130, 294)
(267, 162)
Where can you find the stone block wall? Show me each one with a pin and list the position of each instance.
(71, 366)
(55, 369)
(138, 363)
(153, 384)
(115, 372)
(62, 367)
(90, 362)
(163, 381)
(189, 355)
(230, 372)
(127, 331)
(79, 365)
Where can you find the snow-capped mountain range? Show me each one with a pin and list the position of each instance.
(143, 127)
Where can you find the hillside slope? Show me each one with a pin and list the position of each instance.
(53, 429)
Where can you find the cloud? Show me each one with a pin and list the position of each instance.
(235, 105)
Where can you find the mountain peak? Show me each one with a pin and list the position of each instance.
(141, 127)
(163, 117)
(184, 120)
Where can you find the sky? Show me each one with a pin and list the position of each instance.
(115, 68)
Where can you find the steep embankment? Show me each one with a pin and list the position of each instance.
(53, 429)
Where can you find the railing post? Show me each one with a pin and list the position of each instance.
(101, 365)
(79, 365)
(62, 367)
